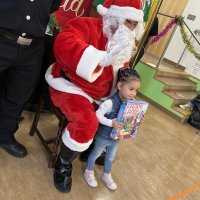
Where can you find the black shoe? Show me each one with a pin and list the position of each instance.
(62, 175)
(15, 149)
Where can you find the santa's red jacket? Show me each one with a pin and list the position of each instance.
(78, 51)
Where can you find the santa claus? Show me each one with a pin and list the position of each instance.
(89, 52)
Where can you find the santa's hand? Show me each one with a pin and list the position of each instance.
(123, 41)
(122, 36)
(120, 46)
(110, 57)
(107, 60)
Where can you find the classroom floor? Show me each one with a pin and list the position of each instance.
(162, 163)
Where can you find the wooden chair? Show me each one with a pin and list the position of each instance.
(55, 141)
(46, 142)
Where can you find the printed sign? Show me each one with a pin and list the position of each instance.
(72, 8)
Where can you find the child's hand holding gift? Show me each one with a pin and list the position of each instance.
(117, 125)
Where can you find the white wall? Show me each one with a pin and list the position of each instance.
(176, 46)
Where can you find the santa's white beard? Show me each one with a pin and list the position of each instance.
(126, 54)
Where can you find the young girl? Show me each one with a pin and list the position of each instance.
(127, 84)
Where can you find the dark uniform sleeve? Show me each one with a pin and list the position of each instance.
(55, 5)
(154, 28)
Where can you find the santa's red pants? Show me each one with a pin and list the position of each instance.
(82, 119)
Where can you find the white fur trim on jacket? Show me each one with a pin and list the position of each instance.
(72, 144)
(88, 63)
(64, 85)
(121, 12)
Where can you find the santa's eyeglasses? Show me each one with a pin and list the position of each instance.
(132, 22)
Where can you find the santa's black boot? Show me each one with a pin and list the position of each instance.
(99, 161)
(63, 169)
(85, 154)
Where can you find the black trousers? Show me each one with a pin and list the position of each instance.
(19, 73)
(47, 60)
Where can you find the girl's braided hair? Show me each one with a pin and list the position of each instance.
(127, 74)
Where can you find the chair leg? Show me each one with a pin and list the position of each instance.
(57, 144)
(37, 116)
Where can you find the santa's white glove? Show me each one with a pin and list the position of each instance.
(110, 57)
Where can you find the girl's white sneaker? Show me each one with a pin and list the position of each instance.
(90, 178)
(107, 179)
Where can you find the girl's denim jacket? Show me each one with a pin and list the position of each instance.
(105, 131)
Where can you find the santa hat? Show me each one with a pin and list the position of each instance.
(126, 9)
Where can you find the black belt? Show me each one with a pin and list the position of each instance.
(17, 38)
(63, 75)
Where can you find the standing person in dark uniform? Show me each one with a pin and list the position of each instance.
(22, 27)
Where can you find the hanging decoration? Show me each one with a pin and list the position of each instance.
(186, 39)
(165, 30)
